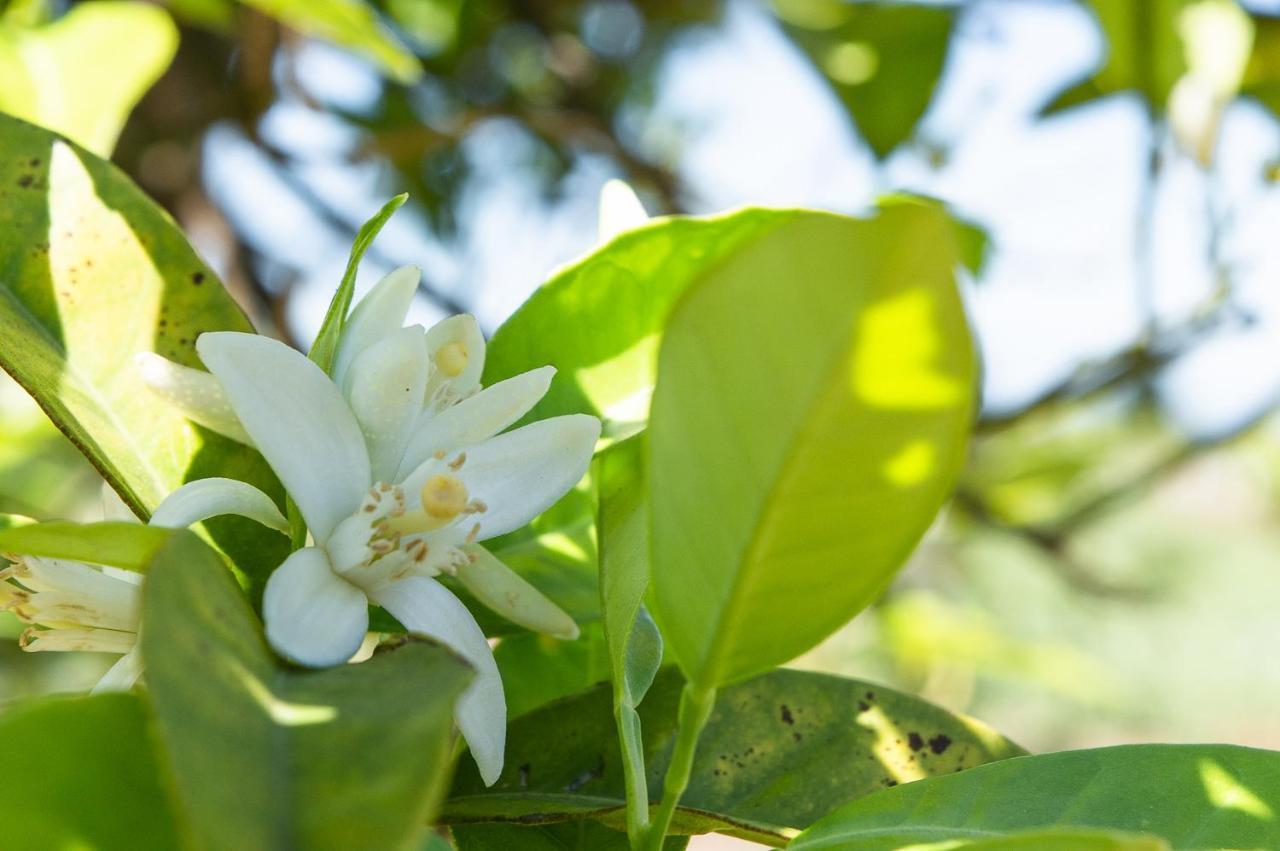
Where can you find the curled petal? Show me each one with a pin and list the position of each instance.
(510, 595)
(198, 395)
(313, 617)
(426, 607)
(123, 674)
(205, 498)
(385, 387)
(92, 640)
(380, 313)
(477, 418)
(298, 420)
(456, 348)
(519, 474)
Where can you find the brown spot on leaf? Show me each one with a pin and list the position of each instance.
(786, 715)
(915, 740)
(939, 743)
(197, 278)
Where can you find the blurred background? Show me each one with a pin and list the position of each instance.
(1110, 568)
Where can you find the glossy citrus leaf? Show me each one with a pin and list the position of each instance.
(1053, 840)
(635, 645)
(599, 320)
(778, 752)
(80, 773)
(71, 76)
(815, 394)
(325, 346)
(537, 669)
(1191, 796)
(266, 756)
(94, 273)
(129, 546)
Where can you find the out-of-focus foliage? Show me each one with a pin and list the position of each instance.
(882, 60)
(76, 76)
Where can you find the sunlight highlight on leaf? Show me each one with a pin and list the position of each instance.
(895, 361)
(1228, 793)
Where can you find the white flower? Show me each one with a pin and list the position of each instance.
(398, 475)
(75, 606)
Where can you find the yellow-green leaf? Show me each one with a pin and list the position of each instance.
(814, 398)
(82, 74)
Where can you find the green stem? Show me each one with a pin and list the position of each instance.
(695, 708)
(633, 772)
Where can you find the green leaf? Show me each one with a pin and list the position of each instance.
(599, 321)
(14, 521)
(80, 773)
(537, 669)
(585, 835)
(883, 60)
(353, 24)
(1053, 840)
(94, 273)
(265, 756)
(778, 752)
(129, 546)
(633, 640)
(1193, 796)
(635, 645)
(71, 76)
(814, 400)
(1144, 54)
(325, 347)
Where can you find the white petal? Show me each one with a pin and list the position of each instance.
(512, 596)
(478, 418)
(91, 640)
(313, 617)
(463, 330)
(426, 607)
(298, 420)
(385, 387)
(114, 508)
(198, 395)
(378, 314)
(123, 674)
(56, 574)
(213, 497)
(620, 210)
(521, 473)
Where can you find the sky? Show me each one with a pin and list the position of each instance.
(1059, 197)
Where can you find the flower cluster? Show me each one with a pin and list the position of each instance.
(401, 465)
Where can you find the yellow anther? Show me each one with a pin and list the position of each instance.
(452, 358)
(444, 497)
